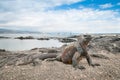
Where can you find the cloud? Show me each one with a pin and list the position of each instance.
(85, 20)
(37, 5)
(107, 5)
(34, 16)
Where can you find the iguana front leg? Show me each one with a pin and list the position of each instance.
(75, 61)
(89, 60)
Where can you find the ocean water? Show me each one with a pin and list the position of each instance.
(38, 35)
(19, 45)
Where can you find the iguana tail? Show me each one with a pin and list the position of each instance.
(50, 55)
(41, 57)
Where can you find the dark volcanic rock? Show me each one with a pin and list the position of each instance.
(66, 40)
(2, 50)
(74, 36)
(28, 37)
(42, 38)
(109, 43)
(115, 39)
(3, 37)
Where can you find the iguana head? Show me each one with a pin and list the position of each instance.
(87, 38)
(84, 40)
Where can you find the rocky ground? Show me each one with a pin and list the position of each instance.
(104, 50)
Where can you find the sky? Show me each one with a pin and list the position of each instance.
(81, 16)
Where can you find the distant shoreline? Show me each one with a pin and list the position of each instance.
(63, 40)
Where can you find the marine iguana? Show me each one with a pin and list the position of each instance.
(72, 54)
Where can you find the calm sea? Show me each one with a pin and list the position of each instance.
(19, 45)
